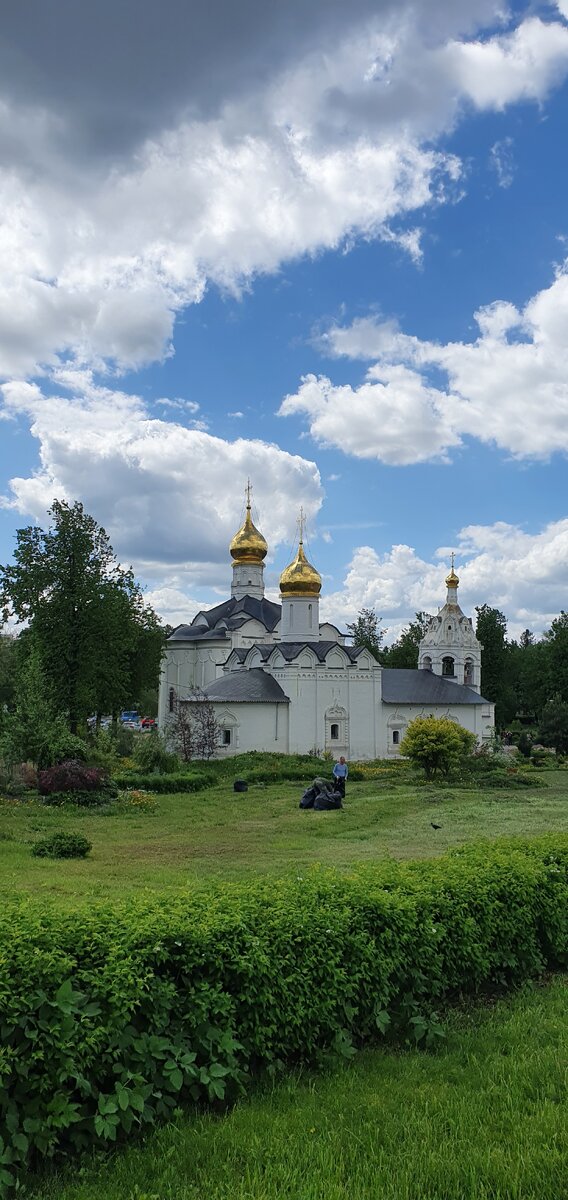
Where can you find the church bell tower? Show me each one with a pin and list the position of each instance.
(449, 646)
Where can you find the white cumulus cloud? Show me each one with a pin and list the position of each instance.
(217, 184)
(523, 574)
(508, 387)
(170, 497)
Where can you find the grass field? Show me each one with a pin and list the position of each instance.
(218, 834)
(481, 1119)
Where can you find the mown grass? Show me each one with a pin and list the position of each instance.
(218, 834)
(481, 1119)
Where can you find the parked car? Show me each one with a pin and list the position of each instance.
(148, 723)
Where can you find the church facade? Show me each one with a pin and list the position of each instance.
(279, 680)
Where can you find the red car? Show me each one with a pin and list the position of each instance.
(148, 723)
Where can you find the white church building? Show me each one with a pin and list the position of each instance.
(281, 681)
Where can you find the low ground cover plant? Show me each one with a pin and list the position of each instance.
(112, 1016)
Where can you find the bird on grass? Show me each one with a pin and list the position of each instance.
(434, 826)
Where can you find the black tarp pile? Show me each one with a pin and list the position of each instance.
(321, 796)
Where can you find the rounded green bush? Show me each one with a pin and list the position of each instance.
(62, 845)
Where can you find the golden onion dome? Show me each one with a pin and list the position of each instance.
(300, 578)
(452, 579)
(248, 545)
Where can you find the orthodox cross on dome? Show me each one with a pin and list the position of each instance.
(301, 523)
(248, 491)
(452, 557)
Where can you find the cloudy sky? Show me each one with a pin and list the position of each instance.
(323, 246)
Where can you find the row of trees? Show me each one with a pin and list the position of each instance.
(90, 644)
(523, 678)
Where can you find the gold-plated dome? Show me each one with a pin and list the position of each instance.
(300, 578)
(452, 579)
(248, 545)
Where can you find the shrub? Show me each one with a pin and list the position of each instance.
(165, 784)
(62, 845)
(524, 744)
(151, 754)
(70, 776)
(82, 799)
(437, 744)
(113, 1016)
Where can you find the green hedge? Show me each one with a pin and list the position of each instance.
(112, 1016)
(194, 782)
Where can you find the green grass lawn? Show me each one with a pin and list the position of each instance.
(218, 834)
(481, 1119)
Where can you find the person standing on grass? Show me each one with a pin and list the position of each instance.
(340, 773)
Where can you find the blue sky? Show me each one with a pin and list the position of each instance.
(326, 252)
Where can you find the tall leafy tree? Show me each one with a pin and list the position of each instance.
(497, 683)
(365, 631)
(404, 652)
(553, 729)
(556, 643)
(8, 669)
(95, 638)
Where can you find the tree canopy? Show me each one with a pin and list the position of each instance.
(404, 652)
(97, 643)
(365, 631)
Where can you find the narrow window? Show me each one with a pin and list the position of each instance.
(225, 737)
(468, 671)
(291, 615)
(448, 666)
(310, 615)
(334, 733)
(395, 737)
(171, 699)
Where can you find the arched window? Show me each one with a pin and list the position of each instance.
(427, 663)
(171, 699)
(448, 666)
(468, 671)
(334, 732)
(225, 737)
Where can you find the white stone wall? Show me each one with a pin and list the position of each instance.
(477, 718)
(186, 665)
(322, 697)
(253, 727)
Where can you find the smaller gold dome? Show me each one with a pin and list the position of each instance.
(300, 578)
(248, 545)
(452, 579)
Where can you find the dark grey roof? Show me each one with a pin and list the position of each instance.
(252, 687)
(291, 650)
(234, 613)
(402, 686)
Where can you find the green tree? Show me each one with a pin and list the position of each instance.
(437, 744)
(497, 664)
(553, 729)
(96, 639)
(8, 669)
(365, 632)
(556, 642)
(35, 731)
(404, 652)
